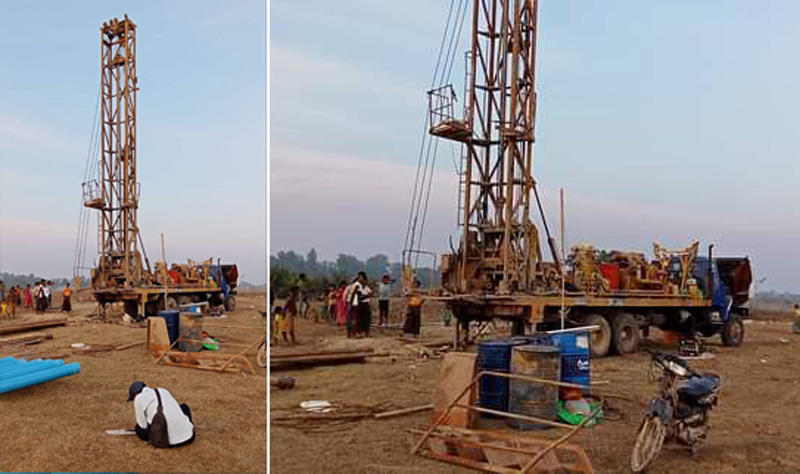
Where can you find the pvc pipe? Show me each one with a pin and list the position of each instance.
(29, 368)
(17, 367)
(10, 360)
(12, 365)
(39, 377)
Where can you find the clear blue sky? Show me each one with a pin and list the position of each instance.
(201, 129)
(664, 121)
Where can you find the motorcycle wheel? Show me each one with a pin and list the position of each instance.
(261, 356)
(648, 443)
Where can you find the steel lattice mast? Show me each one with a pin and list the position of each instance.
(116, 195)
(499, 249)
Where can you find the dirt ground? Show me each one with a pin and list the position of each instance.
(60, 425)
(753, 427)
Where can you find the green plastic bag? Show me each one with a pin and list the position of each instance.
(576, 418)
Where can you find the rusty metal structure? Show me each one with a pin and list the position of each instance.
(116, 194)
(123, 272)
(498, 270)
(499, 249)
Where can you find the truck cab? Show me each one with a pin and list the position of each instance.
(729, 282)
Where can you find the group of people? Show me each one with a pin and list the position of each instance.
(39, 298)
(349, 305)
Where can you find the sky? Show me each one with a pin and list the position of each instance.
(663, 122)
(201, 123)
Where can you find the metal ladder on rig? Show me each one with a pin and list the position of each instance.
(464, 155)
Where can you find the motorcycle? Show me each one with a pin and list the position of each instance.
(680, 410)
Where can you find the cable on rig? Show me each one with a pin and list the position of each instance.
(429, 146)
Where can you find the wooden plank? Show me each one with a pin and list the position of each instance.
(128, 346)
(537, 380)
(318, 360)
(457, 370)
(403, 411)
(443, 415)
(480, 466)
(157, 335)
(25, 338)
(252, 346)
(515, 416)
(532, 463)
(304, 354)
(32, 326)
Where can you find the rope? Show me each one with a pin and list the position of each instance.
(428, 147)
(88, 170)
(409, 243)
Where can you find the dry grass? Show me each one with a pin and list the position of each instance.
(752, 428)
(60, 425)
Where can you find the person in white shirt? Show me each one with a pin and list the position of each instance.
(362, 292)
(384, 293)
(180, 428)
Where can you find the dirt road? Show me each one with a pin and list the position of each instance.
(753, 428)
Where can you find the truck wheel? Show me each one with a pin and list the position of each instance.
(626, 334)
(600, 340)
(230, 303)
(172, 303)
(733, 331)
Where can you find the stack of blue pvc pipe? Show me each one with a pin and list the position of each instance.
(19, 373)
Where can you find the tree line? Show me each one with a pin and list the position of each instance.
(287, 266)
(11, 279)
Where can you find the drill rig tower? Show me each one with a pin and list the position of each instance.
(116, 195)
(499, 250)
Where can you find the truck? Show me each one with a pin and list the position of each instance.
(623, 295)
(181, 285)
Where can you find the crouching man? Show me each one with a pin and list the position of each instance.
(179, 425)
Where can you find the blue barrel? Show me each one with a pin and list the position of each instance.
(534, 399)
(173, 319)
(575, 356)
(495, 355)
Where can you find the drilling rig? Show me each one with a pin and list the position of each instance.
(123, 272)
(498, 269)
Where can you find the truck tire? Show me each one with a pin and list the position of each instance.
(626, 334)
(733, 331)
(600, 340)
(172, 303)
(230, 303)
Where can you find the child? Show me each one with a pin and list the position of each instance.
(3, 308)
(276, 324)
(330, 300)
(290, 311)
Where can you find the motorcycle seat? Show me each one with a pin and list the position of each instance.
(699, 386)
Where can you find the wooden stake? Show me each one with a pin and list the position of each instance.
(561, 440)
(243, 352)
(403, 411)
(128, 346)
(173, 345)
